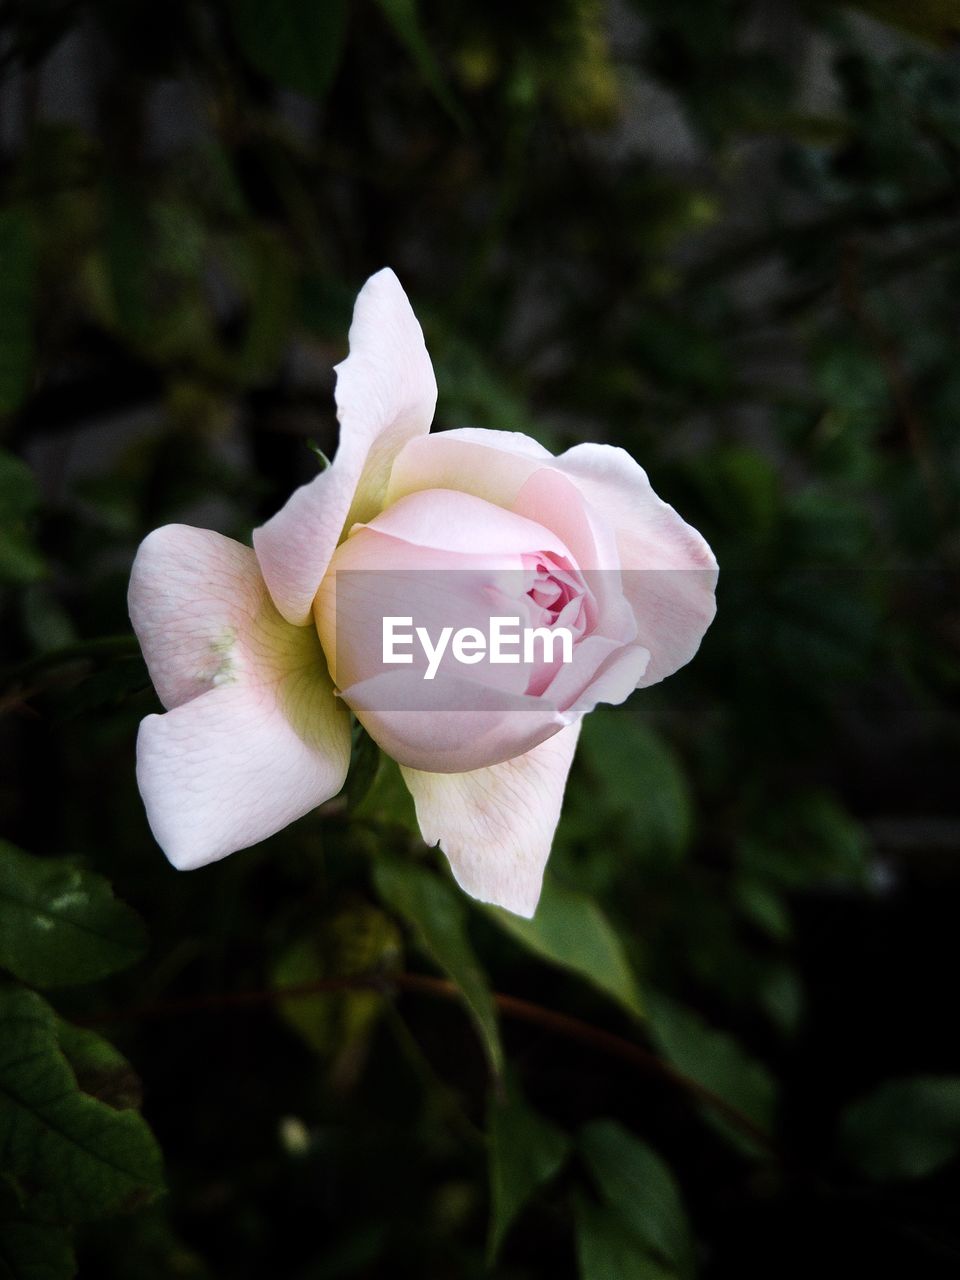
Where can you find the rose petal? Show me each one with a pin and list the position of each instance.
(451, 724)
(231, 767)
(602, 670)
(386, 394)
(192, 592)
(489, 464)
(496, 825)
(549, 497)
(255, 737)
(373, 576)
(454, 521)
(669, 572)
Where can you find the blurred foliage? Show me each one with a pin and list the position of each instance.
(720, 233)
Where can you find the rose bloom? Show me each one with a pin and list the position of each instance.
(261, 654)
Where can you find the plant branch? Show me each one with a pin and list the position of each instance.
(514, 1007)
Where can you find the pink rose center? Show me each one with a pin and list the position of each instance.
(559, 594)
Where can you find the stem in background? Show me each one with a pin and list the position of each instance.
(441, 988)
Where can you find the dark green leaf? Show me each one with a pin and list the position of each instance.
(608, 1250)
(638, 778)
(570, 929)
(297, 43)
(81, 1158)
(905, 1129)
(715, 1060)
(19, 560)
(18, 488)
(809, 839)
(100, 1069)
(403, 16)
(387, 800)
(364, 764)
(61, 925)
(637, 1184)
(764, 908)
(438, 916)
(526, 1151)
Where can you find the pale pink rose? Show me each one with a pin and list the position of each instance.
(260, 655)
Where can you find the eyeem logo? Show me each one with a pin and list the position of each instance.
(506, 642)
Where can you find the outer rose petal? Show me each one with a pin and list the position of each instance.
(386, 394)
(256, 737)
(496, 825)
(614, 672)
(669, 572)
(192, 591)
(229, 768)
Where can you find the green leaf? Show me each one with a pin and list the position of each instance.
(526, 1151)
(807, 840)
(297, 43)
(18, 488)
(608, 1250)
(387, 800)
(764, 908)
(60, 925)
(715, 1060)
(905, 1129)
(34, 1251)
(639, 1187)
(745, 478)
(19, 560)
(438, 916)
(100, 1069)
(403, 16)
(570, 929)
(364, 766)
(17, 290)
(640, 781)
(81, 1158)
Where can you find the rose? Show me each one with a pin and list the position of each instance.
(249, 648)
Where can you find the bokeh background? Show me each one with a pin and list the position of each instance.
(720, 233)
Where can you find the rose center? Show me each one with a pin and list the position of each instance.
(558, 595)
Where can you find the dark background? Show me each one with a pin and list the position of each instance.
(723, 235)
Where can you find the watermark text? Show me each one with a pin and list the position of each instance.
(507, 642)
